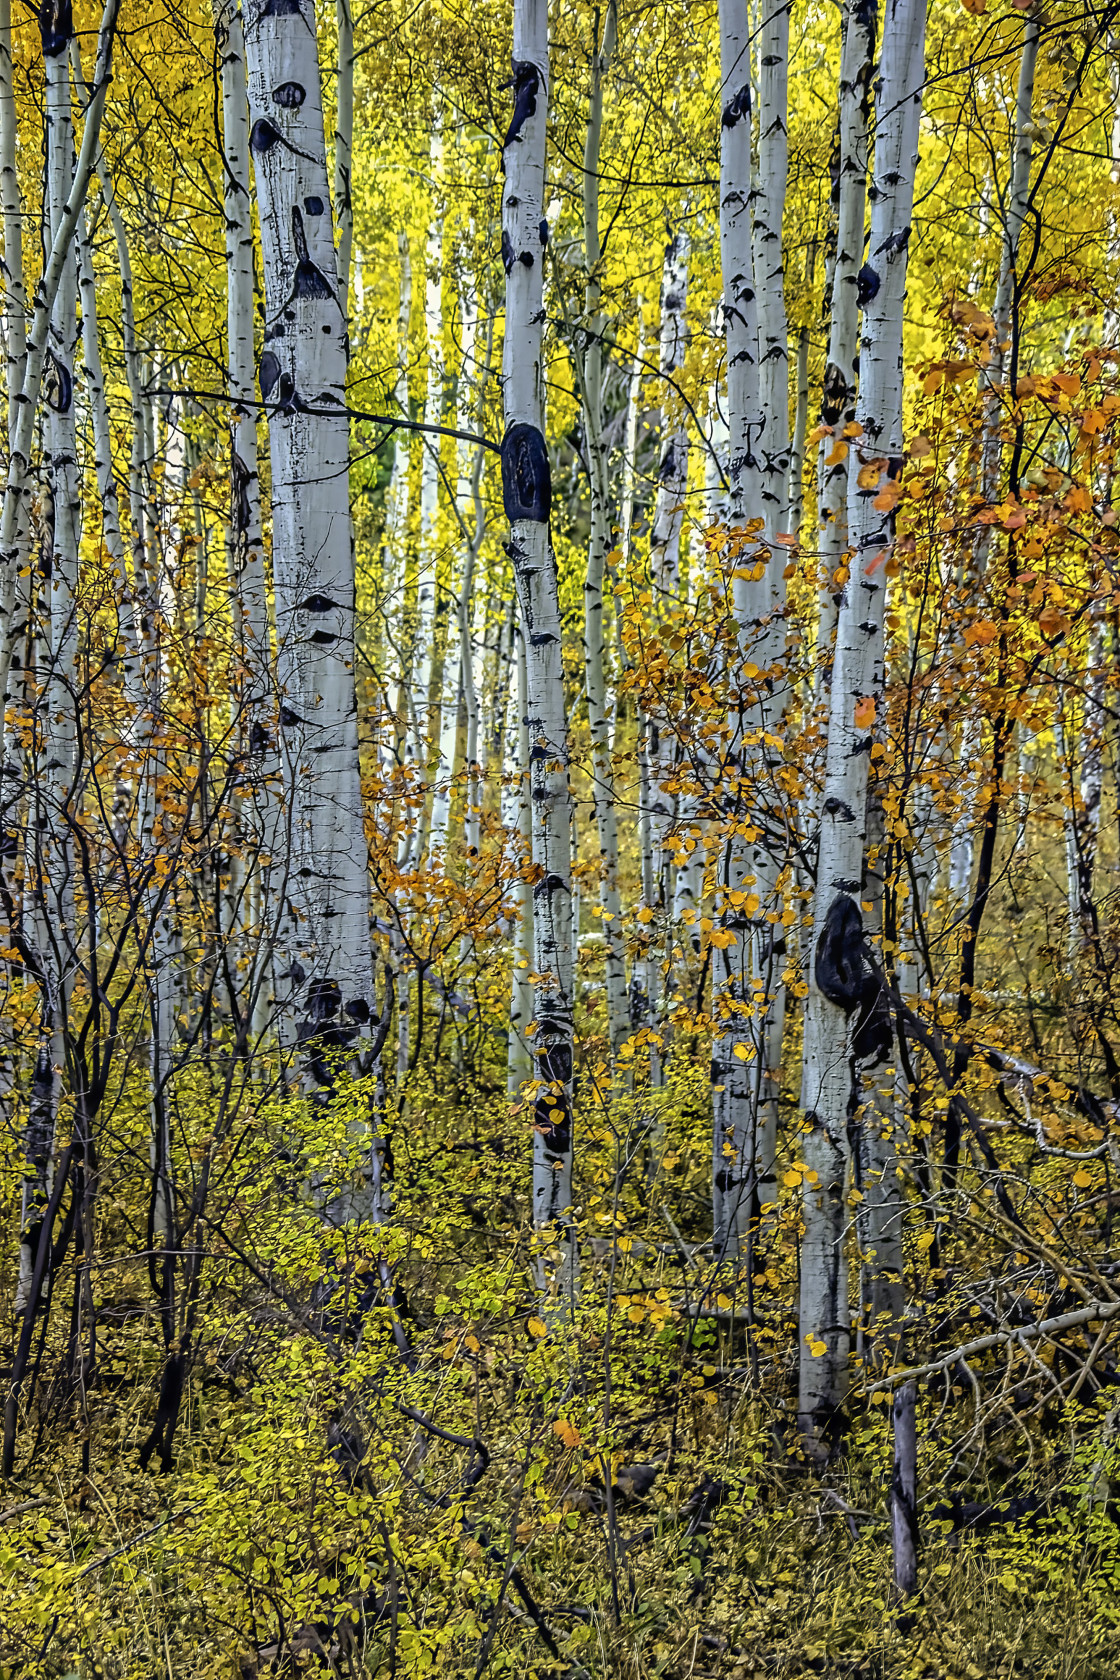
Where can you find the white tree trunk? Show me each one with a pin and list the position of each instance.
(393, 547)
(592, 380)
(427, 583)
(838, 393)
(12, 519)
(248, 896)
(518, 820)
(527, 494)
(303, 380)
(768, 203)
(733, 1080)
(839, 985)
(344, 150)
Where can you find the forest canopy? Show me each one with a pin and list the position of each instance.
(559, 839)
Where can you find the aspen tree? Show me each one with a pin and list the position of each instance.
(527, 495)
(35, 346)
(427, 583)
(734, 1081)
(517, 819)
(838, 391)
(844, 1012)
(47, 359)
(250, 902)
(592, 376)
(326, 934)
(344, 149)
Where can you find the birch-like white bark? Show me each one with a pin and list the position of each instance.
(592, 382)
(52, 751)
(733, 1080)
(250, 885)
(344, 150)
(768, 202)
(393, 548)
(840, 986)
(303, 380)
(838, 392)
(11, 208)
(27, 401)
(427, 583)
(518, 819)
(527, 495)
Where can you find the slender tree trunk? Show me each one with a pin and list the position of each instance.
(592, 379)
(838, 393)
(249, 898)
(841, 989)
(427, 582)
(768, 203)
(904, 1491)
(519, 823)
(12, 518)
(733, 1079)
(344, 150)
(303, 380)
(527, 493)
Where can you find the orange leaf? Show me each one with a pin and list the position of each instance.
(865, 712)
(888, 496)
(567, 1432)
(979, 635)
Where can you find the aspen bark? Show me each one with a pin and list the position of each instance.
(249, 893)
(302, 373)
(395, 536)
(768, 203)
(592, 381)
(842, 993)
(527, 495)
(838, 392)
(344, 150)
(517, 818)
(733, 1080)
(13, 516)
(427, 583)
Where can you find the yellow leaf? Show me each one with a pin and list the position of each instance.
(538, 1327)
(635, 1314)
(1082, 1179)
(723, 1302)
(816, 1348)
(792, 1178)
(471, 1342)
(645, 914)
